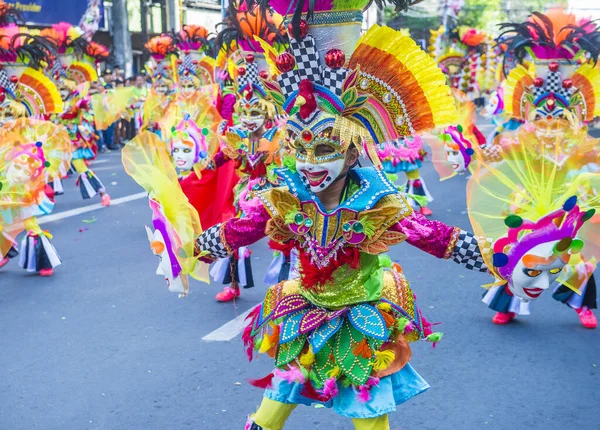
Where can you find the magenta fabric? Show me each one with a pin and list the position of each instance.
(248, 230)
(430, 236)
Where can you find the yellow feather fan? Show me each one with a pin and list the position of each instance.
(587, 80)
(407, 91)
(39, 94)
(514, 90)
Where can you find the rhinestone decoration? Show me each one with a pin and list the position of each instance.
(364, 84)
(387, 97)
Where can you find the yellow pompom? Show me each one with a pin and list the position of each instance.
(383, 359)
(265, 345)
(307, 358)
(385, 307)
(334, 373)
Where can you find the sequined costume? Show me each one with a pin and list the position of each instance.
(340, 329)
(71, 67)
(252, 141)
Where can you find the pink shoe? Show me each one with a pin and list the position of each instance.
(425, 211)
(105, 200)
(587, 317)
(4, 261)
(228, 294)
(46, 272)
(503, 317)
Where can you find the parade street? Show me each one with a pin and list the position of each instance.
(102, 344)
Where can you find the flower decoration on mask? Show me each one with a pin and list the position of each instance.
(459, 150)
(189, 144)
(535, 214)
(364, 93)
(32, 150)
(175, 221)
(26, 162)
(533, 253)
(555, 41)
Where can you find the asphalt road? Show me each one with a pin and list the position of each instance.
(102, 344)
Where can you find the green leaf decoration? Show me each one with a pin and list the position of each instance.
(277, 98)
(356, 367)
(322, 365)
(290, 350)
(349, 97)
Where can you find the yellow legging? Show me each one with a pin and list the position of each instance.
(413, 174)
(272, 415)
(80, 165)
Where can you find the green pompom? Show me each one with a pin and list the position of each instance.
(588, 215)
(435, 337)
(289, 163)
(563, 245)
(576, 246)
(0, 185)
(385, 260)
(459, 128)
(205, 131)
(402, 323)
(47, 164)
(513, 221)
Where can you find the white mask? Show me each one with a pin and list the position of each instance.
(17, 174)
(252, 123)
(491, 106)
(176, 284)
(456, 159)
(183, 155)
(529, 281)
(319, 176)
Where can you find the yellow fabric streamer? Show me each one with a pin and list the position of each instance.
(147, 161)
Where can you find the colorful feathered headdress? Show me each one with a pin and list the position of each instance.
(163, 51)
(555, 42)
(195, 55)
(384, 89)
(26, 90)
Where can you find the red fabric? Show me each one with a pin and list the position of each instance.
(479, 136)
(212, 194)
(49, 191)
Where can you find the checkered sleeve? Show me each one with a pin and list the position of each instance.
(468, 253)
(210, 240)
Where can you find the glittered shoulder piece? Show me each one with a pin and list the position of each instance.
(373, 186)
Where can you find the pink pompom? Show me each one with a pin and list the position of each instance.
(364, 395)
(292, 375)
(330, 388)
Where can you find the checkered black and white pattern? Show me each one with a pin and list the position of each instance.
(307, 59)
(251, 76)
(187, 63)
(210, 241)
(553, 82)
(467, 253)
(334, 78)
(288, 82)
(5, 81)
